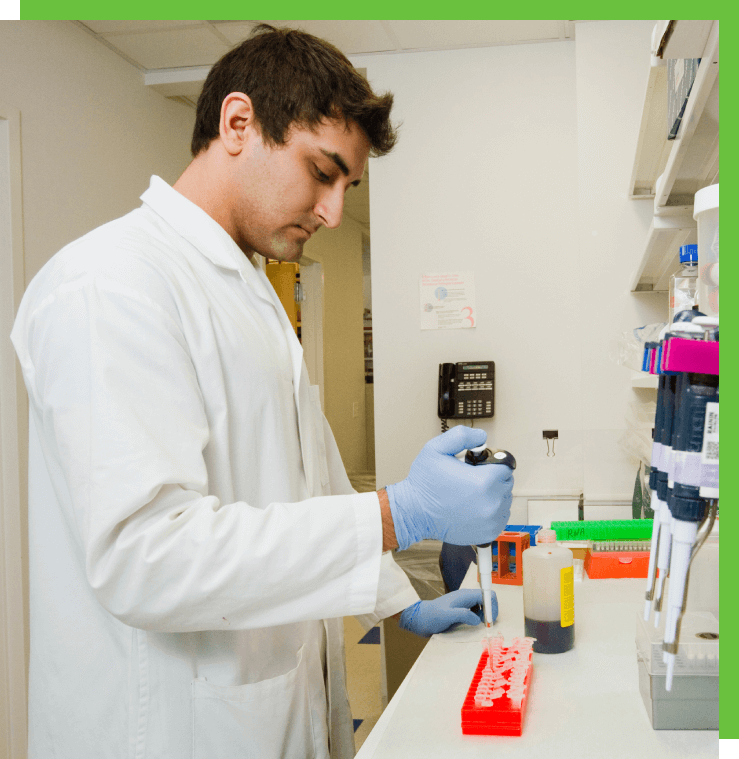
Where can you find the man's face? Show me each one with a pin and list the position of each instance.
(286, 193)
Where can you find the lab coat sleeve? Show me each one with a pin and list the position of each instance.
(118, 405)
(394, 590)
(394, 593)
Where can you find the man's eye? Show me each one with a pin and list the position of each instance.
(321, 176)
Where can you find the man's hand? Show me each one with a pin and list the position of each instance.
(445, 499)
(426, 618)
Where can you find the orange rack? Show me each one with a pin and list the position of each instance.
(604, 565)
(509, 573)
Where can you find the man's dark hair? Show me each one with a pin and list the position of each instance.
(292, 77)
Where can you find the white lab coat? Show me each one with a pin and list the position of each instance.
(189, 565)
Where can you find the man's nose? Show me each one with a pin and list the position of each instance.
(330, 207)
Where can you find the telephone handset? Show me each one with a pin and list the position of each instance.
(467, 390)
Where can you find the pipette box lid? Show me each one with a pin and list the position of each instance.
(698, 653)
(692, 704)
(693, 701)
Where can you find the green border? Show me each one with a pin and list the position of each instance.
(729, 693)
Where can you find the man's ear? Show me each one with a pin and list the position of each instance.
(238, 123)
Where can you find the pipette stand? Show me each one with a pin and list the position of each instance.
(504, 574)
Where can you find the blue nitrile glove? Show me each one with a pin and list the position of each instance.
(445, 499)
(425, 618)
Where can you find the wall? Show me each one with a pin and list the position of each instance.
(612, 73)
(340, 253)
(478, 156)
(92, 133)
(507, 172)
(92, 137)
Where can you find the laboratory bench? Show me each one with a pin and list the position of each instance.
(582, 703)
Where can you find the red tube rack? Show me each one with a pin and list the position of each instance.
(503, 717)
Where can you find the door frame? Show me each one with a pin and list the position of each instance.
(14, 643)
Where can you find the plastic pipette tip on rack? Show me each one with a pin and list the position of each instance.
(496, 700)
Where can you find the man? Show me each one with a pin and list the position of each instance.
(194, 539)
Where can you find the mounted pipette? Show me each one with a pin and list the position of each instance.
(694, 502)
(656, 466)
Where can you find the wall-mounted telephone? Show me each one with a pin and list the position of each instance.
(467, 390)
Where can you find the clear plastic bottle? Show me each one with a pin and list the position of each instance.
(684, 284)
(548, 595)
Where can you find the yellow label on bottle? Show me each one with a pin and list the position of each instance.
(567, 596)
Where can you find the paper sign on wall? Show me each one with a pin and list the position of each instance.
(448, 301)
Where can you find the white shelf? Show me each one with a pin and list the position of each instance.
(642, 379)
(693, 160)
(660, 259)
(684, 165)
(690, 162)
(682, 39)
(653, 148)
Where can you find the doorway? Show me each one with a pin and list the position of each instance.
(300, 290)
(369, 377)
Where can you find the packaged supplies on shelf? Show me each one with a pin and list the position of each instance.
(681, 73)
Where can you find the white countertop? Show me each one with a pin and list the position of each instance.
(582, 703)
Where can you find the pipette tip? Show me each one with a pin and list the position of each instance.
(647, 609)
(670, 671)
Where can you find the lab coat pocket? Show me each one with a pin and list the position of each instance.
(270, 719)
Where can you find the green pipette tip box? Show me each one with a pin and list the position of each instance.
(604, 529)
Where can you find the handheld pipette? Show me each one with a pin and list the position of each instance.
(476, 457)
(485, 568)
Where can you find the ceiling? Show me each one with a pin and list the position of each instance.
(175, 56)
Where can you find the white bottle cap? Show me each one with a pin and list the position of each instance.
(546, 535)
(705, 200)
(687, 328)
(706, 321)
